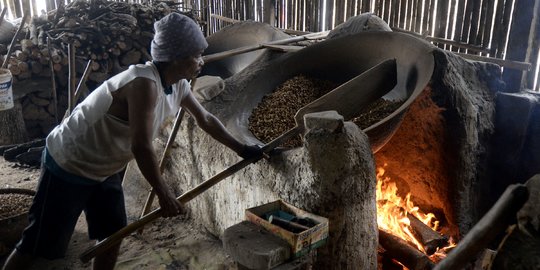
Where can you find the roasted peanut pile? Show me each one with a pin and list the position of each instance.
(375, 112)
(12, 204)
(275, 113)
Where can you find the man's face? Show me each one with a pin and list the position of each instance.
(191, 66)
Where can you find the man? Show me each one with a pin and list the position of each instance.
(117, 122)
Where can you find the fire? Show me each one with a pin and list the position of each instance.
(392, 213)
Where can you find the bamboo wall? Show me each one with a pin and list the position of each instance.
(479, 27)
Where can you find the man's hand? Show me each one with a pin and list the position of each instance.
(170, 206)
(251, 151)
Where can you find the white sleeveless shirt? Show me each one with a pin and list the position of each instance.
(95, 145)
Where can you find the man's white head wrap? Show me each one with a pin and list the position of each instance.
(176, 36)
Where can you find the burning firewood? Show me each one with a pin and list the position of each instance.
(404, 253)
(430, 239)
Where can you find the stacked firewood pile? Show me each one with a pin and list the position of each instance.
(113, 35)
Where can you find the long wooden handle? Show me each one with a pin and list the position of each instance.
(14, 40)
(221, 55)
(112, 240)
(495, 221)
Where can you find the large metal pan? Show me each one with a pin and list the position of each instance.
(340, 60)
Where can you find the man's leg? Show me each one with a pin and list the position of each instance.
(52, 218)
(18, 261)
(106, 214)
(107, 259)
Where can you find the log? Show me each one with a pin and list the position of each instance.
(32, 157)
(493, 223)
(430, 239)
(404, 253)
(17, 149)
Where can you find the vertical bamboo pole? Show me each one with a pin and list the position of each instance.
(413, 15)
(459, 22)
(290, 14)
(301, 15)
(467, 23)
(442, 20)
(534, 49)
(488, 25)
(349, 9)
(338, 9)
(314, 15)
(392, 21)
(409, 18)
(505, 27)
(49, 5)
(425, 16)
(451, 22)
(386, 11)
(329, 12)
(482, 26)
(366, 5)
(4, 11)
(72, 80)
(401, 11)
(474, 22)
(418, 15)
(297, 22)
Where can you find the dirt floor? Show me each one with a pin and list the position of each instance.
(173, 243)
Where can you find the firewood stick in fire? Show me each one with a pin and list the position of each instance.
(430, 239)
(404, 253)
(494, 222)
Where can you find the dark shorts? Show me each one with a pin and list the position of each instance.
(57, 206)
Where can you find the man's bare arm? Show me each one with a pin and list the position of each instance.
(141, 96)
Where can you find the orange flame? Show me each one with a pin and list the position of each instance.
(392, 213)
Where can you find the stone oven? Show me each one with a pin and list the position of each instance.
(439, 146)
